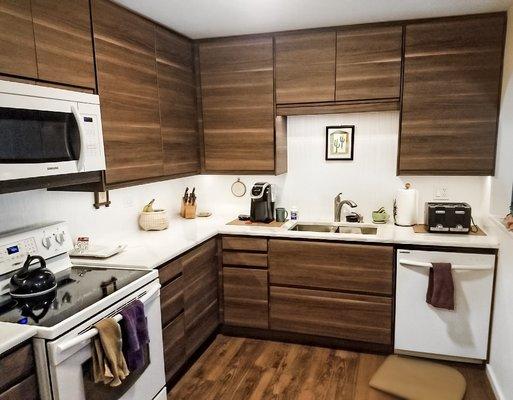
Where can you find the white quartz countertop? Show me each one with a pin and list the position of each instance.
(12, 335)
(152, 249)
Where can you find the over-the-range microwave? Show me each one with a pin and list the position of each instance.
(46, 131)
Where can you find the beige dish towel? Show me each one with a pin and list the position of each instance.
(109, 365)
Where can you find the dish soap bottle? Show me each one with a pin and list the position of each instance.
(294, 213)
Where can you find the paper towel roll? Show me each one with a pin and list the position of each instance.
(406, 207)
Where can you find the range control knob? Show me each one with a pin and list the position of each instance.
(60, 238)
(46, 242)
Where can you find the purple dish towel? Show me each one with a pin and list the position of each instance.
(134, 328)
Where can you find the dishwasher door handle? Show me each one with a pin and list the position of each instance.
(409, 263)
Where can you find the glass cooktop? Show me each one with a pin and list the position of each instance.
(77, 288)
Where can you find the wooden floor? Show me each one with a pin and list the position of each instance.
(248, 369)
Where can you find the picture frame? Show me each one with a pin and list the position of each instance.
(340, 143)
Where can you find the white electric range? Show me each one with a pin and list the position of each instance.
(64, 319)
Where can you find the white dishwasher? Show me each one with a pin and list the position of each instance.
(423, 330)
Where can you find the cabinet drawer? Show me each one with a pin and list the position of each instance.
(245, 259)
(245, 297)
(16, 365)
(201, 327)
(200, 294)
(337, 266)
(245, 244)
(195, 261)
(169, 271)
(171, 300)
(25, 390)
(173, 336)
(340, 315)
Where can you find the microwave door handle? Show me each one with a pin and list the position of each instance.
(91, 333)
(81, 132)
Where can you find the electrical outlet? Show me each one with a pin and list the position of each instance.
(441, 193)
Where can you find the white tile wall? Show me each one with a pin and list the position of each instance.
(311, 183)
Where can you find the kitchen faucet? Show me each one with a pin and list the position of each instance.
(339, 204)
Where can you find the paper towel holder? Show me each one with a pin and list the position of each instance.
(405, 206)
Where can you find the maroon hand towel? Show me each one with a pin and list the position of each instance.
(135, 334)
(440, 292)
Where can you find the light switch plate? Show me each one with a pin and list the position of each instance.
(440, 192)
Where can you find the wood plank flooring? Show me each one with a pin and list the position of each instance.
(248, 369)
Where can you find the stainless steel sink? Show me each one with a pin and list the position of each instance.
(332, 228)
(314, 228)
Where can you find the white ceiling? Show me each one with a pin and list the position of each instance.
(210, 18)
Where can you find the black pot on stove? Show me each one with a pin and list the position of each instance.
(29, 283)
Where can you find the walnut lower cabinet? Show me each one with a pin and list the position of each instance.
(245, 297)
(18, 379)
(325, 290)
(337, 290)
(245, 282)
(189, 304)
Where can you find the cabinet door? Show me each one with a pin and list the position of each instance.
(334, 266)
(238, 104)
(173, 336)
(305, 67)
(369, 63)
(127, 83)
(171, 300)
(177, 100)
(17, 49)
(245, 297)
(201, 315)
(452, 77)
(340, 315)
(64, 43)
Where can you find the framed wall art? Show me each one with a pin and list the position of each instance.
(340, 143)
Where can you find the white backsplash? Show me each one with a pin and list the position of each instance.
(370, 180)
(311, 183)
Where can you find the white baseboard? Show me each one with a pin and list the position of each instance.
(494, 384)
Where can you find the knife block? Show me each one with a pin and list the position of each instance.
(188, 210)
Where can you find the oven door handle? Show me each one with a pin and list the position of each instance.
(408, 263)
(81, 133)
(91, 333)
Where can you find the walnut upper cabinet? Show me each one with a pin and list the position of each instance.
(369, 63)
(127, 84)
(238, 105)
(177, 101)
(64, 44)
(305, 67)
(452, 78)
(47, 40)
(17, 47)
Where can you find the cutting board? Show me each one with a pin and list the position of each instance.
(424, 229)
(274, 224)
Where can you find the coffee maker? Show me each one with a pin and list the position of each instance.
(262, 203)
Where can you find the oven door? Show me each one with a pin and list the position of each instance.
(46, 136)
(70, 367)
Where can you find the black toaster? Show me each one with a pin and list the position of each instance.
(448, 217)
